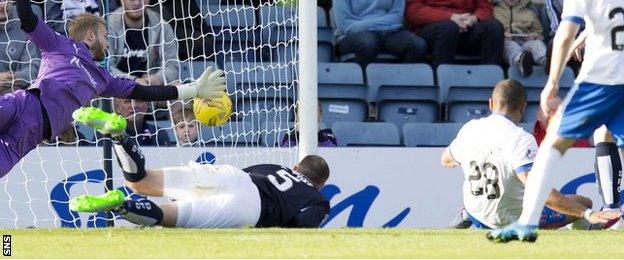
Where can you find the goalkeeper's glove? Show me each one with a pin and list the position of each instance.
(209, 85)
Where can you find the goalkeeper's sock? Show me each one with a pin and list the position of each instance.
(538, 185)
(608, 170)
(130, 158)
(142, 213)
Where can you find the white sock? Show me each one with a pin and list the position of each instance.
(538, 186)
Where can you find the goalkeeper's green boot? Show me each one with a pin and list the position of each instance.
(103, 122)
(89, 203)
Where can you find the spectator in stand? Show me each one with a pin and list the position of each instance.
(462, 26)
(326, 137)
(186, 127)
(554, 9)
(60, 12)
(194, 36)
(19, 59)
(144, 133)
(136, 34)
(523, 34)
(368, 28)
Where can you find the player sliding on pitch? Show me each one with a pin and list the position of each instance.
(496, 156)
(595, 100)
(212, 196)
(68, 79)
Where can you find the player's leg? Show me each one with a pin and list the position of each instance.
(8, 110)
(608, 168)
(586, 108)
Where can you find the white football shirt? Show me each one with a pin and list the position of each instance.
(492, 151)
(604, 49)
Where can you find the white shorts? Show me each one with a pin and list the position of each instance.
(209, 196)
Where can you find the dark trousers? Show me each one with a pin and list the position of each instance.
(485, 37)
(367, 45)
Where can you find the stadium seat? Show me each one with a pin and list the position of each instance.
(366, 134)
(238, 134)
(191, 70)
(321, 17)
(533, 99)
(539, 77)
(262, 91)
(342, 92)
(429, 134)
(272, 133)
(288, 52)
(403, 92)
(467, 76)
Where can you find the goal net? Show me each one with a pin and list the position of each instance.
(255, 43)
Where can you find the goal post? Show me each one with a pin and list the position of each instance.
(308, 83)
(269, 54)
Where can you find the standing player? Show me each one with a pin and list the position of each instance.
(496, 156)
(215, 196)
(68, 79)
(595, 100)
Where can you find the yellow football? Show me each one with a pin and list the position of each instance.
(213, 111)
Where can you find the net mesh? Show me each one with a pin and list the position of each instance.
(172, 42)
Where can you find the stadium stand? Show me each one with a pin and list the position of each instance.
(403, 92)
(429, 134)
(466, 89)
(366, 134)
(342, 92)
(232, 134)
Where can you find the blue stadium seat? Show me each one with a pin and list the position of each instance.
(403, 92)
(191, 70)
(342, 92)
(429, 134)
(288, 52)
(238, 134)
(262, 91)
(533, 99)
(538, 78)
(272, 133)
(321, 17)
(366, 134)
(228, 17)
(467, 76)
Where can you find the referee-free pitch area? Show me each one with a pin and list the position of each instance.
(300, 243)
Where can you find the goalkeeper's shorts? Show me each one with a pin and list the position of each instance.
(21, 127)
(209, 196)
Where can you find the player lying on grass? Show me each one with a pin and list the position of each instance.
(68, 79)
(496, 156)
(213, 196)
(594, 101)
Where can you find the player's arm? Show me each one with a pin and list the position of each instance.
(210, 84)
(571, 207)
(573, 12)
(447, 159)
(38, 32)
(310, 217)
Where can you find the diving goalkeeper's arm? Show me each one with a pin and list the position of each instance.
(210, 84)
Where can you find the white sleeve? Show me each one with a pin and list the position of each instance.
(458, 146)
(574, 11)
(524, 154)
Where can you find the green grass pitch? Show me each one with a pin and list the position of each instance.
(299, 243)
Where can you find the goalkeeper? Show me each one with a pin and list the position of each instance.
(213, 196)
(69, 78)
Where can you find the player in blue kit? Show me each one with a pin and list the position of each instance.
(596, 100)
